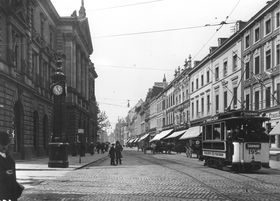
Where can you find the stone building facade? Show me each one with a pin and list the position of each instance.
(31, 34)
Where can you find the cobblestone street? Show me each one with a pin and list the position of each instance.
(157, 177)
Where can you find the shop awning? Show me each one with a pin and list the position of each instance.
(144, 136)
(126, 141)
(192, 132)
(136, 140)
(275, 130)
(176, 134)
(161, 135)
(132, 140)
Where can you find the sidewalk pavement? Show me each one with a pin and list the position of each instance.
(74, 162)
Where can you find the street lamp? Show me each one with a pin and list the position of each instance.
(58, 156)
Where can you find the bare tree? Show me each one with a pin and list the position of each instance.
(103, 122)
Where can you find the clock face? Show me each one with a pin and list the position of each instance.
(57, 90)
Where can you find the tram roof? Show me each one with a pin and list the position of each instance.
(235, 115)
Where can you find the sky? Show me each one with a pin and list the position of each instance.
(137, 42)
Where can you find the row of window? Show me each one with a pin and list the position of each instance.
(201, 81)
(177, 119)
(267, 102)
(267, 60)
(256, 63)
(267, 30)
(201, 112)
(173, 99)
(269, 97)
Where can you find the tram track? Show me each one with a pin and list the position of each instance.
(157, 162)
(241, 183)
(244, 175)
(247, 186)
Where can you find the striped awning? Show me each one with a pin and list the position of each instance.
(144, 136)
(134, 140)
(176, 134)
(161, 135)
(131, 140)
(275, 130)
(192, 132)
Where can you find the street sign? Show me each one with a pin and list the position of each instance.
(81, 131)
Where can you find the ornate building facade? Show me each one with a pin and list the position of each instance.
(31, 34)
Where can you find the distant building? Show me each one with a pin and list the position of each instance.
(241, 72)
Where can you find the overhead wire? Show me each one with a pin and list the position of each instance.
(132, 67)
(255, 77)
(126, 5)
(166, 30)
(162, 30)
(221, 25)
(111, 104)
(212, 36)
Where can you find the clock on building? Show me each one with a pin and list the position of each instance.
(57, 90)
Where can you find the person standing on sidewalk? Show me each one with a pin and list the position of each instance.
(10, 189)
(119, 149)
(112, 154)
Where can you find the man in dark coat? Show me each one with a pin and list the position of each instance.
(112, 154)
(119, 149)
(8, 183)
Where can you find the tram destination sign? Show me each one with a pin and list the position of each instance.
(253, 146)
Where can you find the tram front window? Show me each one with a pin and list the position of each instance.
(217, 132)
(250, 130)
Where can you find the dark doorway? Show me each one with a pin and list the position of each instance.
(35, 130)
(18, 126)
(45, 132)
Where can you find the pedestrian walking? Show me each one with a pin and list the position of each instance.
(112, 154)
(153, 146)
(119, 149)
(10, 189)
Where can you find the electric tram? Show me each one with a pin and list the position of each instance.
(236, 139)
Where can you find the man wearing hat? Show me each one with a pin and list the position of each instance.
(9, 188)
(112, 154)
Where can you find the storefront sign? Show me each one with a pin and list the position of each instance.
(274, 114)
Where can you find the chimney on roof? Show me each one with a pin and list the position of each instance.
(195, 63)
(239, 25)
(221, 41)
(212, 49)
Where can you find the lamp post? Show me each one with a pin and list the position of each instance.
(58, 156)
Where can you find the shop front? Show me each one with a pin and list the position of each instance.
(273, 128)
